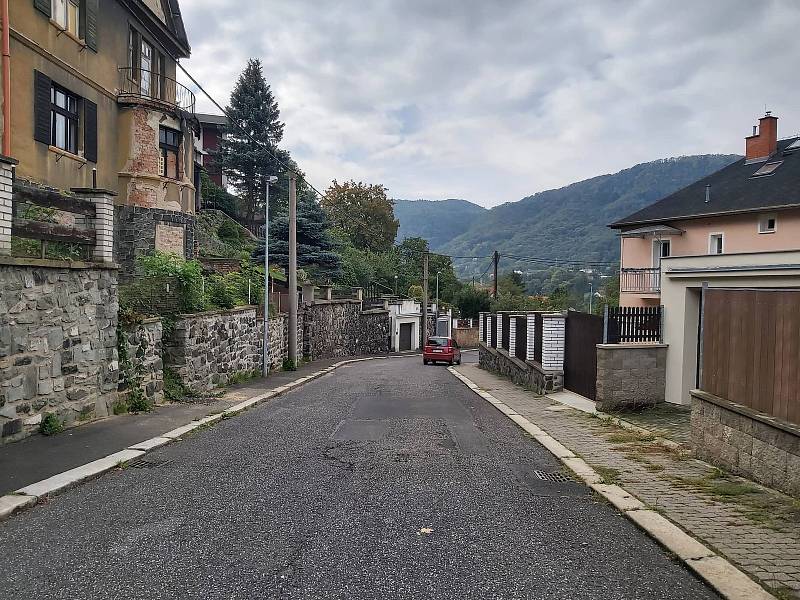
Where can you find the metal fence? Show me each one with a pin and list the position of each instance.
(624, 324)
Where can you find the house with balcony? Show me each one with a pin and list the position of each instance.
(737, 229)
(94, 104)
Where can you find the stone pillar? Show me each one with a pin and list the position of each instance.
(358, 293)
(481, 318)
(553, 331)
(326, 292)
(103, 221)
(6, 181)
(308, 293)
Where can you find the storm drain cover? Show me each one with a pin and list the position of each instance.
(148, 463)
(556, 477)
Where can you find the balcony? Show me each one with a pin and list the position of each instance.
(642, 281)
(137, 85)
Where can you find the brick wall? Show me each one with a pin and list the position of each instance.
(553, 327)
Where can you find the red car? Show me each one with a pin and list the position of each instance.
(441, 349)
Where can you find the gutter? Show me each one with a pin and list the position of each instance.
(6, 78)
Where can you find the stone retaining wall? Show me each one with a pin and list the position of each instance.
(58, 343)
(143, 342)
(525, 373)
(630, 376)
(340, 328)
(745, 442)
(205, 349)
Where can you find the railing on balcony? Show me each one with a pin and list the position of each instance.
(640, 280)
(138, 84)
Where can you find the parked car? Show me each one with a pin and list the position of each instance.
(441, 349)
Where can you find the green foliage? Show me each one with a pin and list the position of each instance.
(131, 376)
(247, 164)
(316, 246)
(471, 302)
(242, 377)
(229, 233)
(417, 292)
(188, 274)
(609, 295)
(364, 212)
(219, 294)
(288, 365)
(217, 197)
(511, 283)
(51, 425)
(174, 388)
(506, 301)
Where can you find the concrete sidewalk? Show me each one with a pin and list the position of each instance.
(38, 457)
(755, 528)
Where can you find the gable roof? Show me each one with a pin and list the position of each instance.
(170, 31)
(733, 190)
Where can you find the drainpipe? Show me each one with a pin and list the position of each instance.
(6, 78)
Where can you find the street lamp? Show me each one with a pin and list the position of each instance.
(270, 180)
(395, 285)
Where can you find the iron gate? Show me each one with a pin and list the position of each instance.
(583, 333)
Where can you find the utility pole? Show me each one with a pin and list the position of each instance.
(265, 365)
(425, 299)
(495, 260)
(293, 268)
(591, 295)
(436, 327)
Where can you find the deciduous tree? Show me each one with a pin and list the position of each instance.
(364, 212)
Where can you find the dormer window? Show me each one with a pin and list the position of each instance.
(767, 224)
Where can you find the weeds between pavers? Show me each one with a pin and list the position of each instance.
(759, 504)
(609, 475)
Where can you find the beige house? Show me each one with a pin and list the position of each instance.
(736, 228)
(93, 102)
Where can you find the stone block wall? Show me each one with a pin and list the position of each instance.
(525, 373)
(139, 230)
(279, 339)
(143, 342)
(340, 328)
(205, 349)
(58, 343)
(745, 442)
(630, 376)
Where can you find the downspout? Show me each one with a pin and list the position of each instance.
(6, 78)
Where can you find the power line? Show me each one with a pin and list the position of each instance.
(557, 262)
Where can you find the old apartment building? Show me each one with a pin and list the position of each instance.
(94, 104)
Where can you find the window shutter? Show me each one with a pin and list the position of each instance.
(91, 9)
(90, 131)
(44, 6)
(41, 107)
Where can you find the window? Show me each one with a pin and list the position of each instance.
(715, 243)
(63, 119)
(169, 141)
(67, 13)
(147, 66)
(768, 169)
(661, 249)
(767, 224)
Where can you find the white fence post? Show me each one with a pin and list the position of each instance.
(553, 333)
(529, 347)
(103, 221)
(6, 194)
(512, 335)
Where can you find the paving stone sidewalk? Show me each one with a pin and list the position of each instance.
(755, 528)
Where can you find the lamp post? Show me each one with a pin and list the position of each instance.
(591, 295)
(395, 285)
(270, 180)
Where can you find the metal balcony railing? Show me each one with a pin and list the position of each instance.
(141, 84)
(640, 280)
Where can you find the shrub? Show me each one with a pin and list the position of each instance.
(230, 233)
(188, 274)
(288, 365)
(51, 425)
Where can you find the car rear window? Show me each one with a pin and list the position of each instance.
(437, 341)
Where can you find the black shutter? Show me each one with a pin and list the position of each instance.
(89, 131)
(92, 7)
(44, 6)
(41, 107)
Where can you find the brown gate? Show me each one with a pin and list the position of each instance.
(750, 349)
(583, 332)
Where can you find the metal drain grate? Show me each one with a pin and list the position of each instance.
(556, 477)
(148, 463)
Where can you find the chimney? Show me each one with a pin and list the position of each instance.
(763, 144)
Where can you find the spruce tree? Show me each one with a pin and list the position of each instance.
(247, 164)
(316, 250)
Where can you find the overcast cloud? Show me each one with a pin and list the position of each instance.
(493, 101)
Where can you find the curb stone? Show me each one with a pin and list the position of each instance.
(34, 493)
(730, 582)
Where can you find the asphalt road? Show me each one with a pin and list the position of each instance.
(383, 479)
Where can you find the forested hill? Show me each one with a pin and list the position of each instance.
(566, 223)
(436, 221)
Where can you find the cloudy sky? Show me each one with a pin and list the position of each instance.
(494, 100)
